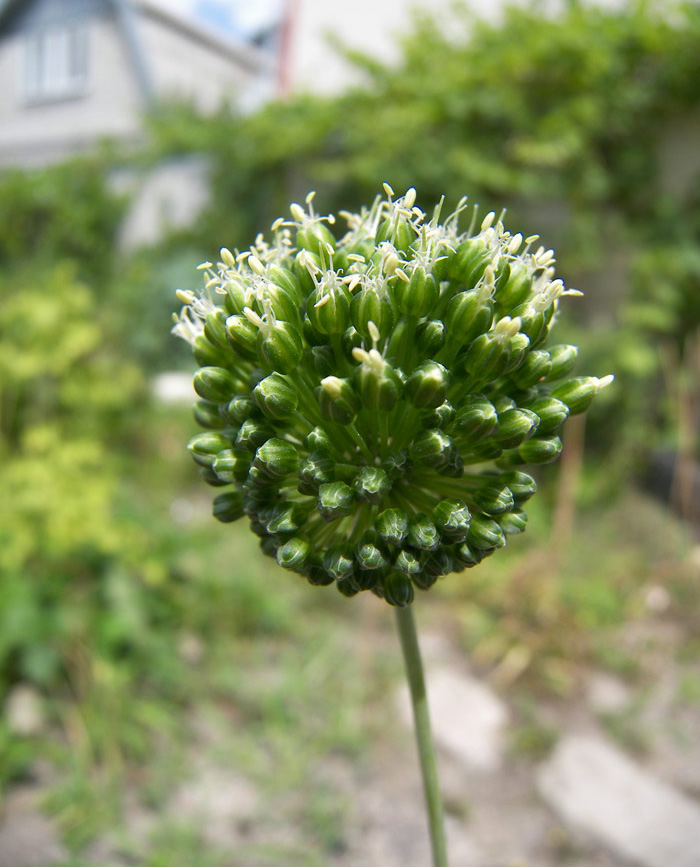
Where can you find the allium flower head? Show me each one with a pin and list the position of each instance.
(368, 402)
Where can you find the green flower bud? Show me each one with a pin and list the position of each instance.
(284, 307)
(252, 434)
(494, 498)
(476, 418)
(534, 368)
(371, 485)
(318, 440)
(441, 417)
(315, 470)
(235, 298)
(430, 337)
(352, 339)
(521, 485)
(275, 396)
(228, 507)
(540, 450)
(515, 286)
(314, 237)
(424, 580)
(277, 458)
(285, 518)
(417, 295)
(437, 563)
(399, 232)
(398, 590)
(231, 465)
(240, 408)
(294, 554)
(578, 393)
(427, 386)
(287, 281)
(468, 556)
(468, 263)
(206, 354)
(487, 358)
(533, 322)
(518, 350)
(323, 360)
(376, 381)
(392, 526)
(210, 477)
(207, 415)
(432, 448)
(513, 523)
(408, 563)
(318, 577)
(242, 336)
(551, 412)
(339, 562)
(215, 328)
(452, 518)
(563, 360)
(335, 500)
(371, 306)
(215, 384)
(515, 426)
(337, 400)
(468, 316)
(396, 464)
(485, 533)
(328, 309)
(422, 533)
(369, 555)
(348, 587)
(281, 346)
(205, 446)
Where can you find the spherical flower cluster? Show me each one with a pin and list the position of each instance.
(368, 402)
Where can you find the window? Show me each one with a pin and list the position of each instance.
(56, 64)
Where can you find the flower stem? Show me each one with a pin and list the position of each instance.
(426, 747)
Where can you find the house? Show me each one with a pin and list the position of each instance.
(73, 72)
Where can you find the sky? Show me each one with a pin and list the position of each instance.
(231, 17)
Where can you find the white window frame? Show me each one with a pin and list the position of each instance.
(56, 63)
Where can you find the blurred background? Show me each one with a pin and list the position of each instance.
(169, 696)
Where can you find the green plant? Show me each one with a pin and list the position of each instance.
(367, 402)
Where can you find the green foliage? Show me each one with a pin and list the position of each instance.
(67, 405)
(61, 212)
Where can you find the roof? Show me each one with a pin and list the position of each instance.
(127, 14)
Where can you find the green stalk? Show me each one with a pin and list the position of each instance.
(424, 738)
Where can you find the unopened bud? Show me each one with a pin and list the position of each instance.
(427, 386)
(392, 526)
(214, 384)
(294, 554)
(494, 498)
(228, 507)
(277, 458)
(452, 518)
(337, 399)
(422, 533)
(540, 450)
(485, 533)
(371, 485)
(515, 426)
(335, 499)
(477, 418)
(432, 448)
(398, 589)
(275, 396)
